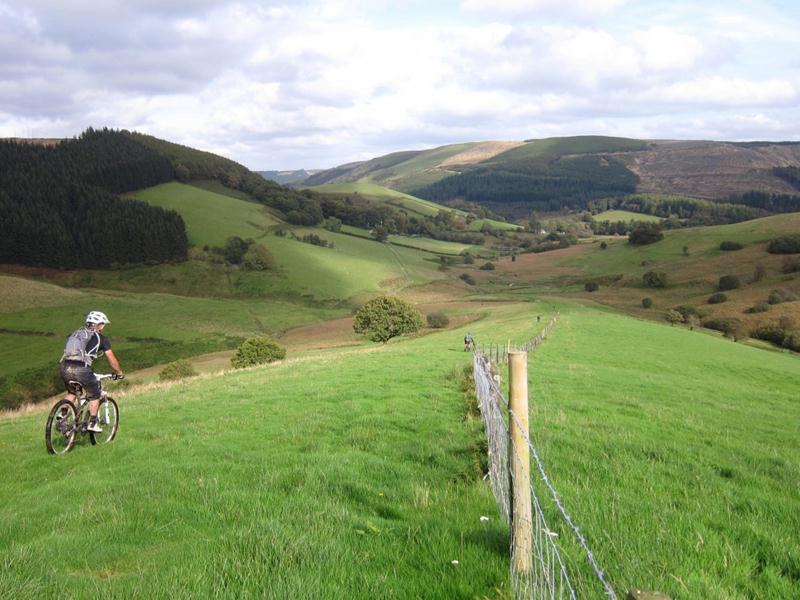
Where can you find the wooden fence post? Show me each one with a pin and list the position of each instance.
(519, 459)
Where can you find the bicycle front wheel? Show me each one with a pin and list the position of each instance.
(108, 419)
(61, 428)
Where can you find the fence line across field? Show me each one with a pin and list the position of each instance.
(537, 568)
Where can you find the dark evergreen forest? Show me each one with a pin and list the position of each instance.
(60, 206)
(515, 188)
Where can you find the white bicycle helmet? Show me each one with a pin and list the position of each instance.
(96, 317)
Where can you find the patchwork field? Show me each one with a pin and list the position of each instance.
(625, 216)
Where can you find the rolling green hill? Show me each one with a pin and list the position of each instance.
(570, 172)
(379, 467)
(407, 202)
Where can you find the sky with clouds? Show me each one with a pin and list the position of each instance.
(316, 83)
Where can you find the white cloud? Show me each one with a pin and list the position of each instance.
(721, 91)
(321, 83)
(561, 8)
(665, 49)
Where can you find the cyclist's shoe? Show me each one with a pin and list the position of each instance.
(94, 427)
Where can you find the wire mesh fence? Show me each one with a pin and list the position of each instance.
(537, 568)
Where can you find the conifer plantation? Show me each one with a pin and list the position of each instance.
(60, 206)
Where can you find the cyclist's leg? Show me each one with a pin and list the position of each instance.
(93, 393)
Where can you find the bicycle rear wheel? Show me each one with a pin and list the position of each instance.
(108, 419)
(60, 431)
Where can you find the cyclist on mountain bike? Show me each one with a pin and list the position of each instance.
(83, 347)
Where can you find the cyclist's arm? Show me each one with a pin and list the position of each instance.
(112, 360)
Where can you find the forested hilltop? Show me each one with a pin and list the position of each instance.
(572, 173)
(60, 206)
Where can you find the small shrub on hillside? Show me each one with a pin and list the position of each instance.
(234, 249)
(468, 259)
(645, 233)
(728, 246)
(717, 298)
(332, 224)
(437, 320)
(487, 266)
(728, 282)
(179, 369)
(673, 317)
(654, 279)
(603, 245)
(769, 333)
(258, 258)
(467, 278)
(758, 308)
(257, 351)
(792, 341)
(647, 302)
(385, 317)
(790, 265)
(686, 250)
(688, 311)
(727, 325)
(780, 296)
(787, 244)
(591, 286)
(315, 240)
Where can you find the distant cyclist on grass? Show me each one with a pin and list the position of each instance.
(82, 349)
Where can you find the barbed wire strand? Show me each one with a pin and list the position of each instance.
(548, 576)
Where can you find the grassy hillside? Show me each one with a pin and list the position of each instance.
(676, 452)
(420, 170)
(407, 202)
(201, 210)
(690, 489)
(352, 267)
(582, 144)
(693, 275)
(625, 215)
(352, 475)
(386, 195)
(421, 243)
(146, 329)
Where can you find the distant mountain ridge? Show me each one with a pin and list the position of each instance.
(289, 177)
(552, 173)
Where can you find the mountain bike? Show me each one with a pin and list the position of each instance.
(67, 421)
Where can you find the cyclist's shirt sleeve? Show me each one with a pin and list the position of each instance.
(97, 344)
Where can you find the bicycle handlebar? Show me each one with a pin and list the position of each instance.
(101, 376)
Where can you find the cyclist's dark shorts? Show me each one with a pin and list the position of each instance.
(77, 371)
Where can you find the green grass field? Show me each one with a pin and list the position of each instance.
(581, 144)
(702, 243)
(625, 215)
(146, 328)
(407, 202)
(201, 211)
(384, 194)
(676, 452)
(478, 223)
(351, 475)
(419, 170)
(421, 243)
(354, 474)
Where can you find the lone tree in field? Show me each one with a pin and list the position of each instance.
(645, 233)
(385, 317)
(257, 351)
